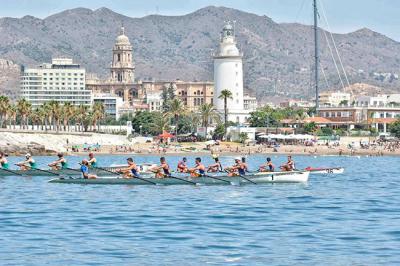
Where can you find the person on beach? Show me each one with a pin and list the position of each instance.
(85, 170)
(237, 169)
(92, 160)
(289, 165)
(131, 171)
(215, 167)
(267, 167)
(60, 163)
(161, 170)
(198, 170)
(3, 161)
(182, 167)
(29, 163)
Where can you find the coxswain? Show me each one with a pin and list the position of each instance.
(237, 169)
(131, 171)
(29, 163)
(289, 165)
(198, 170)
(161, 170)
(267, 167)
(60, 163)
(215, 167)
(182, 167)
(92, 160)
(85, 170)
(3, 161)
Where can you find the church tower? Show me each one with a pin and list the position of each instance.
(122, 68)
(228, 75)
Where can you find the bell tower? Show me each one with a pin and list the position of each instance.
(122, 68)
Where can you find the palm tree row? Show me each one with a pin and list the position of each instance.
(52, 115)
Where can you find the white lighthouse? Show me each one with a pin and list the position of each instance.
(228, 75)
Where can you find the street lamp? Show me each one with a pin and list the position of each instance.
(140, 130)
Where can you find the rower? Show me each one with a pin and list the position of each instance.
(161, 170)
(198, 170)
(237, 169)
(131, 171)
(244, 164)
(215, 167)
(85, 170)
(92, 160)
(289, 166)
(267, 167)
(3, 161)
(29, 163)
(182, 167)
(60, 163)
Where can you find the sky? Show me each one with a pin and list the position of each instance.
(342, 15)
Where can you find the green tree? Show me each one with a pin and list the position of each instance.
(4, 106)
(160, 124)
(24, 109)
(225, 95)
(208, 114)
(176, 109)
(56, 113)
(12, 115)
(243, 137)
(394, 128)
(98, 112)
(310, 127)
(68, 112)
(219, 131)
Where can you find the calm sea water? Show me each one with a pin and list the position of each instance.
(349, 219)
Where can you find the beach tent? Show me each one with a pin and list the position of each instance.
(165, 135)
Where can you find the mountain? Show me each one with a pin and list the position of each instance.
(277, 57)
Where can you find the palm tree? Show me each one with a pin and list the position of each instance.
(67, 114)
(98, 113)
(225, 95)
(208, 113)
(81, 116)
(12, 115)
(4, 106)
(43, 113)
(56, 112)
(24, 109)
(176, 109)
(161, 123)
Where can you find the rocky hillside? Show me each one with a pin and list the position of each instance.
(278, 57)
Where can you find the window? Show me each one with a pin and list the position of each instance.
(119, 58)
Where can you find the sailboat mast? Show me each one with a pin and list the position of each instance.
(316, 55)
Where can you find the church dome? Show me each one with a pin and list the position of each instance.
(122, 38)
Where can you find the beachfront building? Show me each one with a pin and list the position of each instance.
(61, 81)
(334, 98)
(228, 75)
(112, 104)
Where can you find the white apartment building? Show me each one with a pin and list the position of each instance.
(112, 104)
(154, 101)
(249, 103)
(334, 98)
(377, 101)
(61, 81)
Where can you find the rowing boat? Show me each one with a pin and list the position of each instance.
(68, 172)
(337, 170)
(258, 178)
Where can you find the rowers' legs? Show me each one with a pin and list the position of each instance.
(92, 176)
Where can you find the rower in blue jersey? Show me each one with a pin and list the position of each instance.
(198, 170)
(131, 171)
(237, 169)
(161, 170)
(85, 170)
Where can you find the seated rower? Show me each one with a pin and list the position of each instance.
(131, 171)
(182, 167)
(215, 167)
(198, 170)
(29, 163)
(244, 164)
(3, 161)
(92, 160)
(289, 166)
(162, 170)
(60, 163)
(267, 167)
(237, 169)
(85, 170)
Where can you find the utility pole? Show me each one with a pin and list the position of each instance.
(316, 55)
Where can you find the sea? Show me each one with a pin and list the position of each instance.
(346, 219)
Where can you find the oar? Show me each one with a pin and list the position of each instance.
(15, 173)
(45, 171)
(115, 173)
(182, 179)
(217, 178)
(245, 178)
(72, 169)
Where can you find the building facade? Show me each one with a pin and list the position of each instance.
(112, 104)
(61, 81)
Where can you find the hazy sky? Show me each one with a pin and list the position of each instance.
(343, 15)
